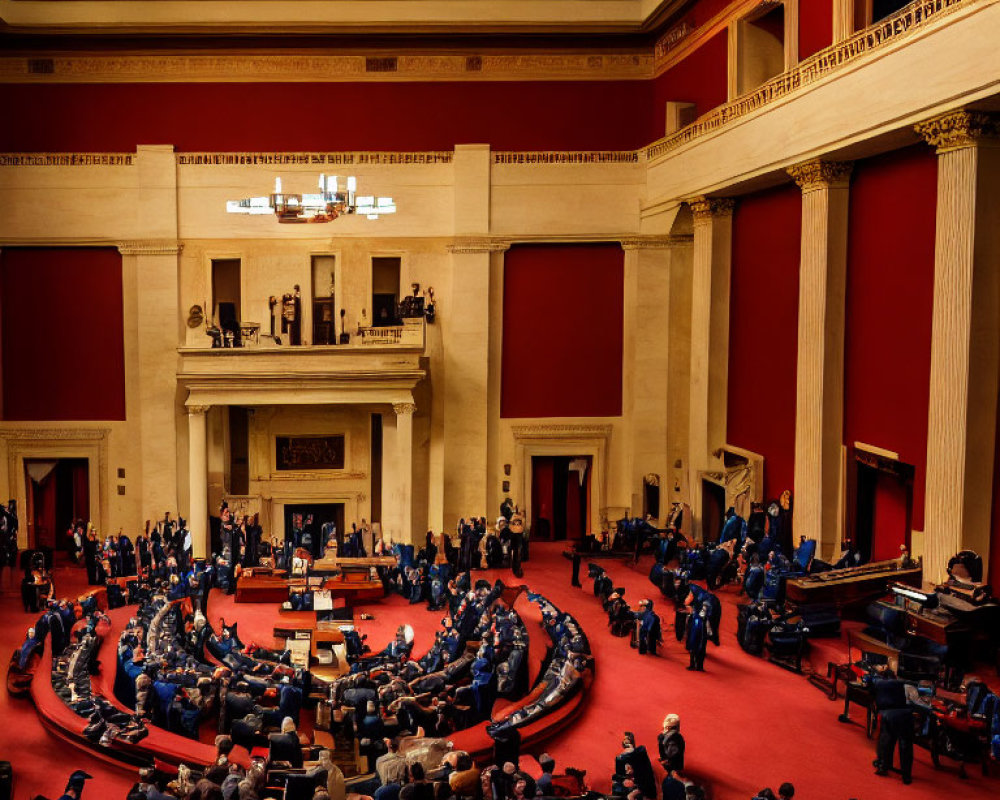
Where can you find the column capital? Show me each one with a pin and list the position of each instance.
(194, 411)
(819, 174)
(478, 244)
(655, 242)
(708, 207)
(150, 247)
(404, 408)
(959, 129)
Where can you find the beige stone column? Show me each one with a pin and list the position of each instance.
(713, 244)
(843, 28)
(404, 466)
(819, 407)
(198, 476)
(965, 338)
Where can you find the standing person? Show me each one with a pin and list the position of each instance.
(671, 744)
(699, 630)
(895, 726)
(74, 787)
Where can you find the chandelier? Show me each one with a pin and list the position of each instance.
(325, 206)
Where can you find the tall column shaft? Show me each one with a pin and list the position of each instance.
(404, 455)
(713, 233)
(198, 476)
(819, 409)
(965, 339)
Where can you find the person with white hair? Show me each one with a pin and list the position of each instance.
(671, 744)
(285, 746)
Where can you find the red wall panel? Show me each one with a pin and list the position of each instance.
(63, 334)
(890, 291)
(563, 312)
(326, 116)
(815, 26)
(701, 78)
(763, 331)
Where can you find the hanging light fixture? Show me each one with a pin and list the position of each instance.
(325, 206)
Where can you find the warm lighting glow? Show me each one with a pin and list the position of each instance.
(324, 206)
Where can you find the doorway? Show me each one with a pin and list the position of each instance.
(883, 507)
(322, 514)
(58, 494)
(713, 509)
(560, 497)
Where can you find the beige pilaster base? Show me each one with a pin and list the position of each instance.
(965, 338)
(819, 410)
(713, 243)
(404, 463)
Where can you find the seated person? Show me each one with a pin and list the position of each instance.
(285, 746)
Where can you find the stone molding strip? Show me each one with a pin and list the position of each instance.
(151, 247)
(473, 244)
(656, 242)
(67, 159)
(353, 67)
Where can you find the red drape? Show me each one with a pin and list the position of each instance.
(542, 475)
(81, 491)
(889, 526)
(44, 507)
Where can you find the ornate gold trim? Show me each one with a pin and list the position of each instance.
(150, 247)
(404, 408)
(708, 207)
(655, 242)
(817, 174)
(195, 410)
(568, 157)
(472, 244)
(958, 129)
(561, 431)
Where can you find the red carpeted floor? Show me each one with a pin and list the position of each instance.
(748, 723)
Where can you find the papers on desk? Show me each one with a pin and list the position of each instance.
(299, 649)
(322, 600)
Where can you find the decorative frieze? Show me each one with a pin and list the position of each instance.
(150, 247)
(958, 129)
(818, 174)
(242, 67)
(708, 207)
(60, 434)
(67, 159)
(472, 244)
(569, 157)
(311, 159)
(655, 242)
(560, 431)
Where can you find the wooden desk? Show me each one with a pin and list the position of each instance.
(336, 564)
(262, 589)
(847, 587)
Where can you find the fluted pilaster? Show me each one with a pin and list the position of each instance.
(713, 234)
(820, 369)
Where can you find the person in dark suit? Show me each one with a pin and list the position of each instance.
(285, 746)
(636, 758)
(895, 727)
(74, 787)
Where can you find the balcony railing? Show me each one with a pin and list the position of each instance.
(410, 335)
(886, 31)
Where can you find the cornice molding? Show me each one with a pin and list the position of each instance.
(656, 242)
(150, 247)
(959, 129)
(545, 157)
(708, 207)
(67, 159)
(819, 174)
(364, 158)
(472, 245)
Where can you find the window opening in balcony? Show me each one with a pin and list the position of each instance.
(324, 300)
(761, 48)
(385, 290)
(226, 297)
